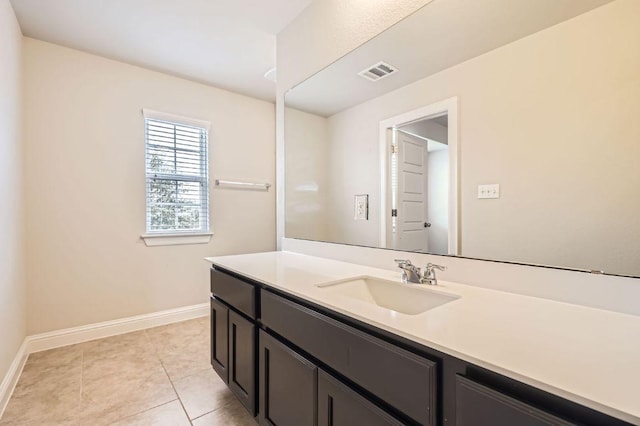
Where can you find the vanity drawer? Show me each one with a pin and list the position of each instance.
(404, 380)
(478, 405)
(235, 292)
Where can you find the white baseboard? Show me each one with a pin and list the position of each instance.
(70, 336)
(11, 378)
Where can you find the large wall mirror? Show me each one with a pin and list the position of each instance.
(504, 130)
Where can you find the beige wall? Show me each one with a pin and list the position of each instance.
(350, 172)
(536, 117)
(12, 282)
(306, 185)
(86, 187)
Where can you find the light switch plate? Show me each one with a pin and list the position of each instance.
(361, 207)
(489, 191)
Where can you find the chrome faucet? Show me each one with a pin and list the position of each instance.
(430, 273)
(412, 274)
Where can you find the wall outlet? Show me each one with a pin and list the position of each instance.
(361, 207)
(489, 191)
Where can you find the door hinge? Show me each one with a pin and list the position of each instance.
(394, 212)
(394, 149)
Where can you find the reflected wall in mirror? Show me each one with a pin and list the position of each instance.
(545, 169)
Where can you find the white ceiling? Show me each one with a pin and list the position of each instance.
(438, 36)
(224, 43)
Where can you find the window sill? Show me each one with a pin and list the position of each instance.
(176, 239)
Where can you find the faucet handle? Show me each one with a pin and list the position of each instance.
(405, 264)
(432, 266)
(429, 276)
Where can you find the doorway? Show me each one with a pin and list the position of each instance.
(419, 152)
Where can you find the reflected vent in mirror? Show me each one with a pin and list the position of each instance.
(378, 71)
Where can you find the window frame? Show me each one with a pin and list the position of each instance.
(176, 236)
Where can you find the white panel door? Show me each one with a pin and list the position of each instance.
(411, 230)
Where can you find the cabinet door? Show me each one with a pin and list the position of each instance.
(288, 384)
(220, 338)
(338, 405)
(242, 358)
(478, 405)
(402, 379)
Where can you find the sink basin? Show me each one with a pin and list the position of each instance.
(403, 298)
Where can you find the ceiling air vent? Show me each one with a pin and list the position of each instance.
(378, 71)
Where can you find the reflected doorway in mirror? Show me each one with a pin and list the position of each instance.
(419, 170)
(420, 186)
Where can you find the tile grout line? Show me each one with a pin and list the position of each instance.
(150, 342)
(208, 412)
(155, 348)
(169, 377)
(142, 412)
(177, 394)
(81, 378)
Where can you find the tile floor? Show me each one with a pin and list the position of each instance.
(158, 376)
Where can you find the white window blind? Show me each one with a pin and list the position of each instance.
(177, 173)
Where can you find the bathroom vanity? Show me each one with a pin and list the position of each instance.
(305, 340)
(494, 130)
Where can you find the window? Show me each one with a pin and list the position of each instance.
(177, 175)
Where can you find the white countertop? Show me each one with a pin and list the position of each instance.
(589, 356)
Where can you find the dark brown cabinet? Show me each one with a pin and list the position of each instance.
(479, 405)
(234, 335)
(288, 385)
(220, 339)
(242, 372)
(402, 379)
(338, 405)
(295, 363)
